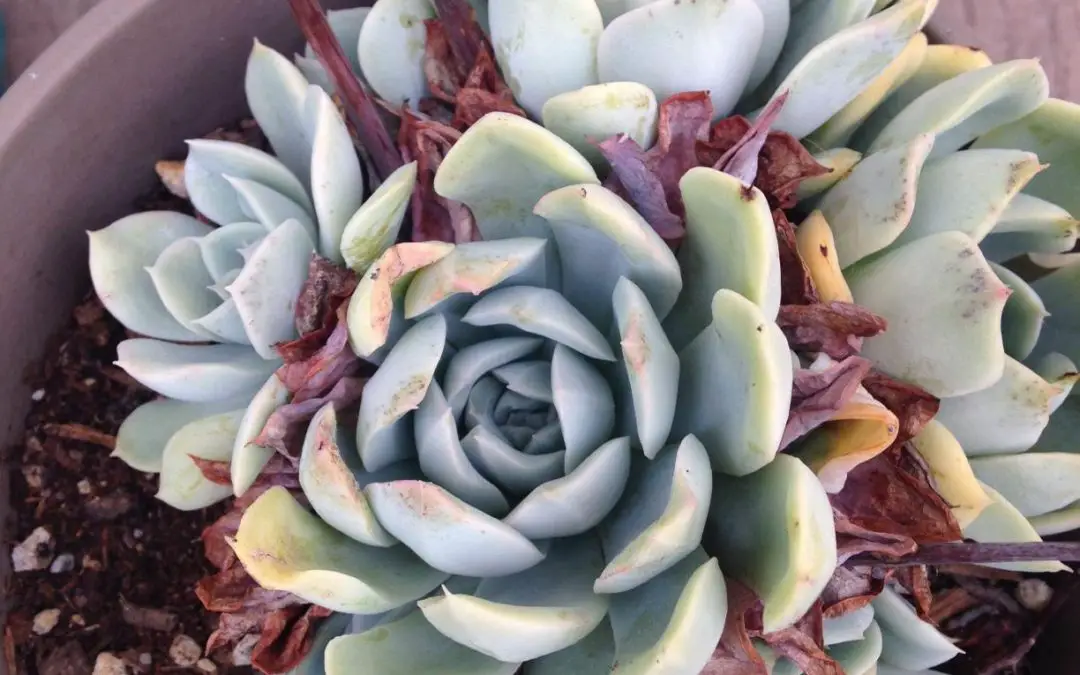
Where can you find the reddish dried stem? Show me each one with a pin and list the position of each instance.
(459, 21)
(973, 552)
(359, 105)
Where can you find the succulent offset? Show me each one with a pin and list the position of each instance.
(573, 438)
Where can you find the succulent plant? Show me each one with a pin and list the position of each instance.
(618, 414)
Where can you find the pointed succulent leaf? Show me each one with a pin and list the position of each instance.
(535, 66)
(613, 9)
(337, 181)
(1051, 133)
(600, 239)
(183, 485)
(968, 191)
(197, 373)
(1024, 314)
(577, 502)
(773, 531)
(183, 284)
(284, 547)
(1001, 523)
(1031, 224)
(848, 627)
(224, 323)
(409, 646)
(209, 162)
(275, 90)
(842, 126)
(374, 228)
(777, 16)
(907, 641)
(836, 70)
(383, 433)
(600, 111)
(672, 47)
(333, 480)
(961, 109)
(817, 247)
(502, 166)
(449, 534)
(141, 440)
(1061, 373)
(594, 653)
(1035, 483)
(948, 341)
(1061, 328)
(870, 208)
(673, 623)
(514, 470)
(652, 366)
(860, 657)
(735, 386)
(542, 312)
(346, 25)
(269, 207)
(472, 363)
(1007, 417)
(119, 257)
(220, 249)
(730, 243)
(584, 402)
(391, 49)
(537, 612)
(471, 268)
(660, 520)
(547, 440)
(1057, 522)
(949, 469)
(443, 460)
(840, 162)
(528, 378)
(265, 293)
(248, 458)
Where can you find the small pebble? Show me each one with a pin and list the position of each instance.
(206, 666)
(89, 381)
(108, 663)
(38, 395)
(45, 621)
(84, 487)
(184, 651)
(34, 553)
(64, 562)
(1034, 594)
(137, 533)
(77, 620)
(89, 563)
(145, 659)
(34, 475)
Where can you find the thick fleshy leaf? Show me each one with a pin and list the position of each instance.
(584, 402)
(119, 256)
(949, 469)
(838, 69)
(773, 531)
(841, 126)
(443, 460)
(535, 66)
(384, 434)
(275, 90)
(183, 284)
(1060, 371)
(346, 25)
(269, 207)
(1061, 329)
(817, 248)
(1005, 418)
(287, 548)
(517, 471)
(777, 15)
(948, 341)
(849, 627)
(600, 239)
(968, 191)
(908, 642)
(467, 366)
(249, 458)
(409, 646)
(1001, 523)
(221, 249)
(592, 114)
(660, 520)
(448, 533)
(224, 323)
(1057, 522)
(471, 268)
(961, 109)
(374, 227)
(1051, 133)
(265, 293)
(735, 386)
(142, 437)
(543, 312)
(210, 161)
(870, 208)
(652, 366)
(1036, 483)
(1030, 224)
(595, 653)
(578, 502)
(502, 166)
(182, 485)
(672, 623)
(1024, 314)
(672, 47)
(840, 162)
(196, 373)
(528, 378)
(337, 181)
(531, 614)
(860, 657)
(333, 480)
(391, 49)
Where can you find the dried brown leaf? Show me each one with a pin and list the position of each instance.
(735, 654)
(804, 644)
(914, 407)
(286, 426)
(916, 580)
(818, 395)
(852, 588)
(796, 284)
(286, 638)
(835, 328)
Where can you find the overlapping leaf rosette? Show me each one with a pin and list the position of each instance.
(598, 405)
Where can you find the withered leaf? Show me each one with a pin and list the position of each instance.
(735, 654)
(796, 285)
(914, 407)
(215, 471)
(318, 374)
(804, 644)
(286, 638)
(643, 187)
(835, 328)
(741, 159)
(916, 580)
(852, 588)
(286, 426)
(233, 590)
(818, 395)
(327, 287)
(853, 540)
